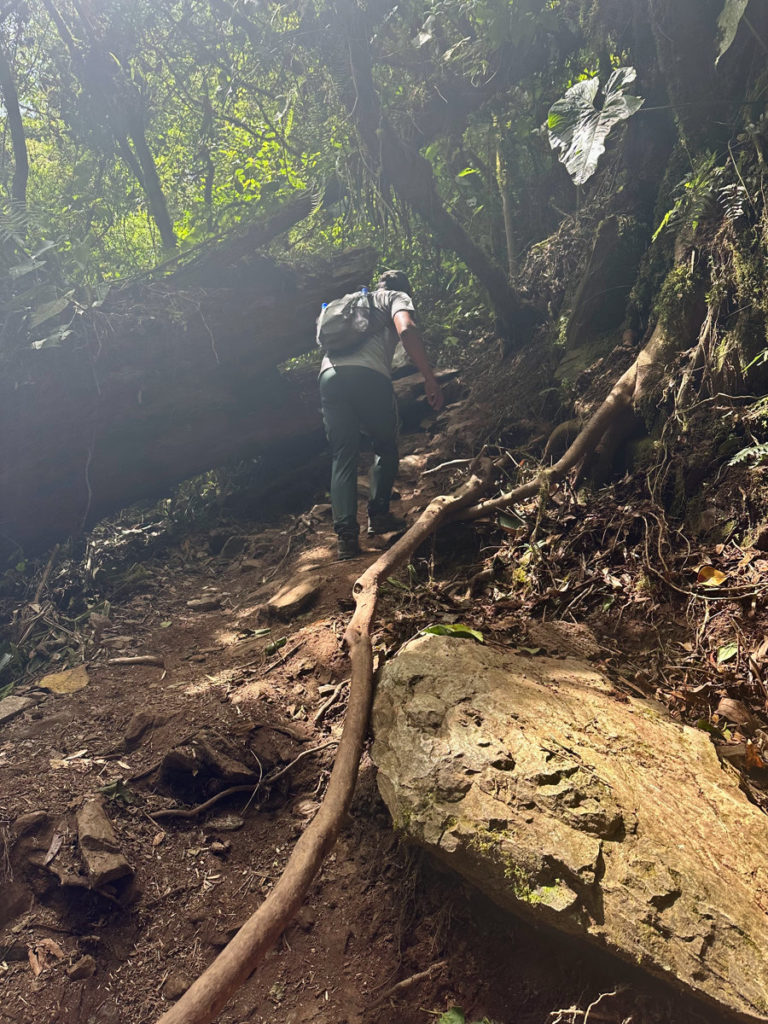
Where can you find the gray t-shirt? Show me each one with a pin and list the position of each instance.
(377, 351)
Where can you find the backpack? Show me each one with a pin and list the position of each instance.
(345, 323)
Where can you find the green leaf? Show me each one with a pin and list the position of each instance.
(579, 129)
(453, 1016)
(276, 645)
(467, 171)
(726, 652)
(728, 24)
(455, 629)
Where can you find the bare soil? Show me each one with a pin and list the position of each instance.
(229, 707)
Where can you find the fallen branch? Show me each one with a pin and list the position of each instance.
(139, 659)
(407, 983)
(208, 995)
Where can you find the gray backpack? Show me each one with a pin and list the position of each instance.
(345, 323)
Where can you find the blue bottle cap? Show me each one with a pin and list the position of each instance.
(324, 306)
(364, 290)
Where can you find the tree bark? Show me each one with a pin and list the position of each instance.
(16, 125)
(115, 97)
(160, 383)
(403, 168)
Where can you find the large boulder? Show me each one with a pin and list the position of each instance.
(575, 806)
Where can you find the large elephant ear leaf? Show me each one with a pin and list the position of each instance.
(728, 24)
(579, 129)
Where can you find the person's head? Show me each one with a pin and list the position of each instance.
(395, 281)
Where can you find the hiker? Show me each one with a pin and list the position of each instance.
(357, 395)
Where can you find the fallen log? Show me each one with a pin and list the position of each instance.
(162, 382)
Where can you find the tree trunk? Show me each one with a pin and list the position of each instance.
(161, 383)
(16, 125)
(115, 98)
(405, 170)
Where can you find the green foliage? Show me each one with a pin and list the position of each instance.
(703, 193)
(756, 452)
(578, 127)
(457, 1016)
(728, 24)
(455, 629)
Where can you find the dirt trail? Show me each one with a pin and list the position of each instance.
(232, 704)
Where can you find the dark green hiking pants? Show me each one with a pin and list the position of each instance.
(354, 400)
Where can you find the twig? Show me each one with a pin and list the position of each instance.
(139, 659)
(46, 574)
(305, 753)
(288, 654)
(193, 812)
(445, 465)
(273, 572)
(407, 983)
(208, 995)
(320, 713)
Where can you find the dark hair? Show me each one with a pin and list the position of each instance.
(395, 280)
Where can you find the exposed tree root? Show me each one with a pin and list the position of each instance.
(625, 394)
(207, 996)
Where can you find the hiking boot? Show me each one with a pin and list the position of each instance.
(349, 547)
(385, 522)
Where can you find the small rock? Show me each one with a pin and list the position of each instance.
(220, 849)
(98, 846)
(33, 821)
(224, 823)
(176, 984)
(292, 598)
(85, 967)
(69, 681)
(12, 706)
(205, 604)
(138, 727)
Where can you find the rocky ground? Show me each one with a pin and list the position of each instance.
(217, 667)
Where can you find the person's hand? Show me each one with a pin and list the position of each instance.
(434, 393)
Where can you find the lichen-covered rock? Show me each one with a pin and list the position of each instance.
(580, 808)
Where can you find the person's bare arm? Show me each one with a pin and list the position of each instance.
(413, 344)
